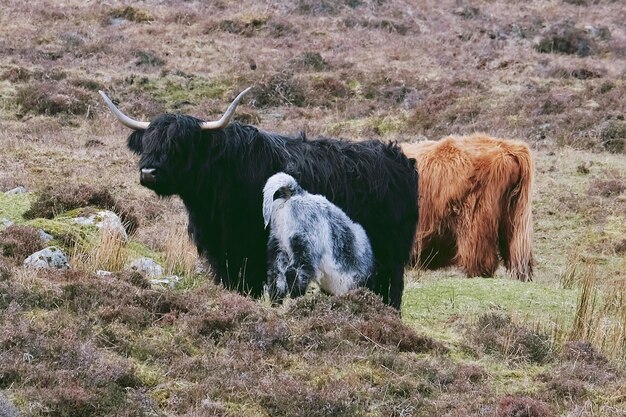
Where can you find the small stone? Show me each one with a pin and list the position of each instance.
(5, 223)
(103, 273)
(16, 191)
(147, 267)
(45, 236)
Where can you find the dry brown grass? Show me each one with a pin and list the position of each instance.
(179, 253)
(600, 314)
(109, 253)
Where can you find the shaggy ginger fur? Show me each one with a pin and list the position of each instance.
(475, 204)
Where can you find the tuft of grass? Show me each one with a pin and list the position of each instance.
(585, 317)
(613, 136)
(54, 201)
(148, 58)
(599, 317)
(6, 267)
(604, 187)
(496, 333)
(109, 252)
(179, 253)
(308, 61)
(279, 90)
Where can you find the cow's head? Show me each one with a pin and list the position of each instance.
(166, 145)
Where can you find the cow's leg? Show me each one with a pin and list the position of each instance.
(301, 269)
(390, 284)
(277, 264)
(382, 282)
(397, 286)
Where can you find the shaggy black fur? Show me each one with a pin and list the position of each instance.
(220, 175)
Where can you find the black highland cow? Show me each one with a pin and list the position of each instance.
(219, 170)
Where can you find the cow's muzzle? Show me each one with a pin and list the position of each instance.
(147, 176)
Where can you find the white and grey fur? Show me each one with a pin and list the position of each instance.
(311, 239)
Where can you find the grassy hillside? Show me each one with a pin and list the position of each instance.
(551, 73)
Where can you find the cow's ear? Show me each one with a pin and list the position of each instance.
(135, 141)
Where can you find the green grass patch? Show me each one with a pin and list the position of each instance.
(138, 250)
(66, 232)
(149, 375)
(431, 306)
(12, 207)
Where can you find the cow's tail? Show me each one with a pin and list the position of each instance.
(518, 220)
(281, 186)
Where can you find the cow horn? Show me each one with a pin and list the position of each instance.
(125, 120)
(225, 119)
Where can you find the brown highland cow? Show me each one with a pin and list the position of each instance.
(475, 205)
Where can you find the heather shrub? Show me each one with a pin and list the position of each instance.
(19, 242)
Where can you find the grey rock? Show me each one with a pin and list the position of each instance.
(5, 223)
(104, 219)
(147, 267)
(17, 190)
(45, 236)
(50, 257)
(600, 32)
(103, 273)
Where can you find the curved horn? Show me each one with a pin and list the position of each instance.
(125, 120)
(225, 119)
